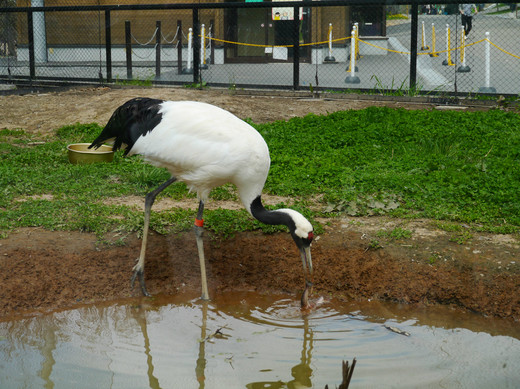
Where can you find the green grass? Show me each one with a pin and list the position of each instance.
(457, 166)
(453, 167)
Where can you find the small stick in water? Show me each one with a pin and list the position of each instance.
(305, 295)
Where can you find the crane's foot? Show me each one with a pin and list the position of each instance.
(138, 273)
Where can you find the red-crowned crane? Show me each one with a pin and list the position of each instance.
(203, 146)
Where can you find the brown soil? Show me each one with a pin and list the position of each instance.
(43, 270)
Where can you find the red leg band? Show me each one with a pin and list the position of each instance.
(199, 222)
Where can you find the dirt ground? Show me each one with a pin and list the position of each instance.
(43, 270)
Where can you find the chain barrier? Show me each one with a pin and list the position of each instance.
(356, 37)
(147, 43)
(173, 39)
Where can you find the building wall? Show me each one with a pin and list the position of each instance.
(88, 28)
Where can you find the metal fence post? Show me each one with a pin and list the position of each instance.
(212, 51)
(196, 47)
(413, 46)
(128, 49)
(108, 45)
(296, 48)
(179, 47)
(158, 49)
(30, 33)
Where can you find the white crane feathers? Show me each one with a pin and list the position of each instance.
(205, 147)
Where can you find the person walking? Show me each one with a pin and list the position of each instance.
(467, 16)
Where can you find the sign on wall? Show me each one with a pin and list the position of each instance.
(285, 13)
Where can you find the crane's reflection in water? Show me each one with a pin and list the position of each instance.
(255, 341)
(301, 373)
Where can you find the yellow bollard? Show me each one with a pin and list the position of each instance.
(433, 53)
(448, 61)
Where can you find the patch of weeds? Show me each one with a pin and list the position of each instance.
(448, 227)
(432, 260)
(365, 205)
(397, 233)
(136, 81)
(394, 90)
(461, 237)
(374, 245)
(196, 85)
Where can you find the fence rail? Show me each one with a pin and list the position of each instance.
(408, 46)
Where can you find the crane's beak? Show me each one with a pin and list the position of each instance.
(305, 253)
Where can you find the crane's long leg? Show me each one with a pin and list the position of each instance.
(149, 200)
(199, 230)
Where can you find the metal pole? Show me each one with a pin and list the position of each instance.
(158, 49)
(30, 33)
(196, 47)
(211, 45)
(179, 47)
(488, 61)
(108, 45)
(128, 49)
(296, 48)
(413, 46)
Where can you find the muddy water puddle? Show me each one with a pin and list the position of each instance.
(247, 340)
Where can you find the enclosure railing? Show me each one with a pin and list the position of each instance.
(291, 45)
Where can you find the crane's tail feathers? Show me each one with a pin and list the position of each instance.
(129, 122)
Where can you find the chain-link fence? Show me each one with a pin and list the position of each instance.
(336, 45)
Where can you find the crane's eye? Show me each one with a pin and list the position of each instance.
(310, 237)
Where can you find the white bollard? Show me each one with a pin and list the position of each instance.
(487, 88)
(330, 57)
(352, 78)
(424, 47)
(463, 68)
(189, 69)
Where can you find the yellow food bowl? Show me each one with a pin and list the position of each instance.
(80, 153)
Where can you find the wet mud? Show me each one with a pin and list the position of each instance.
(44, 271)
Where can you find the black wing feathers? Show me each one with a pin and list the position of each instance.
(130, 121)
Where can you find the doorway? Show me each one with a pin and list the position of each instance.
(259, 30)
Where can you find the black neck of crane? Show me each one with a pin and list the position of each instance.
(270, 217)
